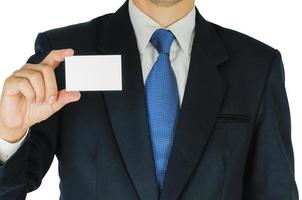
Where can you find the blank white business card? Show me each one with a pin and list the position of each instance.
(93, 73)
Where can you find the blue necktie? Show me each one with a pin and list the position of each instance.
(162, 102)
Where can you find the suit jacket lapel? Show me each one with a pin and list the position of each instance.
(126, 108)
(202, 99)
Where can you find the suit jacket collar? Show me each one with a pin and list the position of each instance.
(114, 35)
(127, 109)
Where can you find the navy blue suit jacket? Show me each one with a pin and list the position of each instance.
(232, 140)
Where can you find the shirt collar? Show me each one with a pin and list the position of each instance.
(144, 26)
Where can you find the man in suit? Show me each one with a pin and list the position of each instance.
(203, 113)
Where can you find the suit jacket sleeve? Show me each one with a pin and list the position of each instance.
(270, 164)
(24, 171)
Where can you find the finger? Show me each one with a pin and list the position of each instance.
(36, 80)
(51, 88)
(64, 98)
(55, 57)
(15, 85)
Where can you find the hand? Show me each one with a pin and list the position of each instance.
(30, 95)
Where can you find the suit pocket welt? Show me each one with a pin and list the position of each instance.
(232, 117)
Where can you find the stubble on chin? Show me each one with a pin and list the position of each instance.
(165, 3)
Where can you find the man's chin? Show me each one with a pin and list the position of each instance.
(165, 3)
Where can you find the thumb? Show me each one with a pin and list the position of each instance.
(55, 57)
(64, 98)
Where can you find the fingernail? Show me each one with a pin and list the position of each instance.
(41, 102)
(51, 99)
(69, 51)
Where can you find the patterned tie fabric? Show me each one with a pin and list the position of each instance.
(162, 102)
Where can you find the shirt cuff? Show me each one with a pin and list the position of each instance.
(8, 149)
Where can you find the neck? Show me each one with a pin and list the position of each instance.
(165, 15)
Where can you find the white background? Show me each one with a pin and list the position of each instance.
(275, 22)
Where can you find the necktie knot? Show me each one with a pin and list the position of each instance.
(162, 40)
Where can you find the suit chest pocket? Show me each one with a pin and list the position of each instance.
(230, 134)
(235, 118)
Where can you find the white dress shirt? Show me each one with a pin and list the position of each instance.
(144, 26)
